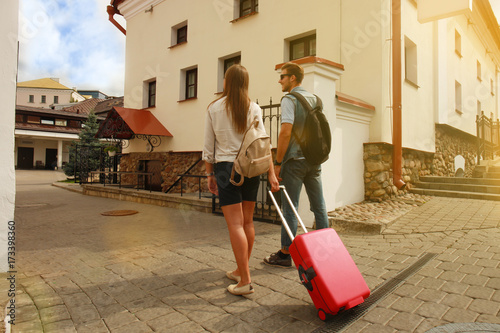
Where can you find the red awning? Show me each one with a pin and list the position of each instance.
(123, 123)
(142, 122)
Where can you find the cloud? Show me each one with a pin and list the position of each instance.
(74, 41)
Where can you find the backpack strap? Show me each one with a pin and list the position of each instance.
(305, 105)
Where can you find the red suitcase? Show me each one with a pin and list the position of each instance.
(325, 268)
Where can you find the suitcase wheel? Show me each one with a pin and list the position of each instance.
(323, 315)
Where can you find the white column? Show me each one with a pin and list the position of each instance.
(59, 154)
(8, 68)
(320, 78)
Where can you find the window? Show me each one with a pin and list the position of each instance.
(479, 77)
(44, 99)
(411, 61)
(303, 47)
(231, 61)
(191, 83)
(31, 99)
(179, 34)
(458, 97)
(458, 44)
(248, 6)
(33, 120)
(56, 99)
(152, 94)
(182, 34)
(61, 122)
(47, 121)
(224, 64)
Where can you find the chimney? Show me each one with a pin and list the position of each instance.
(55, 79)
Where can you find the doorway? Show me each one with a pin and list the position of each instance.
(25, 157)
(50, 158)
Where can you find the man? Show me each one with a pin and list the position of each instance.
(291, 166)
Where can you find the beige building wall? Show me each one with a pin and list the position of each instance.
(356, 34)
(261, 40)
(23, 97)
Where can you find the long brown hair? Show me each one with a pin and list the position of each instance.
(236, 93)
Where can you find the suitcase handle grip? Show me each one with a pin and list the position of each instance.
(285, 223)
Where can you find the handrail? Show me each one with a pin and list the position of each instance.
(185, 173)
(488, 136)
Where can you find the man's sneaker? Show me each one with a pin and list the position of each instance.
(276, 259)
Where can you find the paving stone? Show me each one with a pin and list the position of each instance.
(457, 301)
(432, 310)
(168, 321)
(96, 326)
(119, 319)
(405, 321)
(54, 314)
(484, 307)
(480, 292)
(134, 327)
(60, 327)
(380, 315)
(406, 304)
(455, 315)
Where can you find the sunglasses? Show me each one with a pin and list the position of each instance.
(282, 76)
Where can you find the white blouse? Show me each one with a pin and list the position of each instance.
(221, 135)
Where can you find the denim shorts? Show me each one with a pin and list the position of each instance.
(230, 194)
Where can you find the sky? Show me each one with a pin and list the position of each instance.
(74, 41)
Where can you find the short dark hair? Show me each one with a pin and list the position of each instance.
(294, 69)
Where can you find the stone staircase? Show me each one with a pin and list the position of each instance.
(485, 184)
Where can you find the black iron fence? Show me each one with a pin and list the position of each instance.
(488, 137)
(89, 158)
(264, 208)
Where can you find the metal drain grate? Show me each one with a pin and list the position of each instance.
(345, 319)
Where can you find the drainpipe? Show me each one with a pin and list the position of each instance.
(397, 154)
(111, 12)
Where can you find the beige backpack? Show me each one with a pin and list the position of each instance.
(254, 154)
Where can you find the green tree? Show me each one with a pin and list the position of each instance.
(89, 146)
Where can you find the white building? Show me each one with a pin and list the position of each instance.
(177, 51)
(8, 68)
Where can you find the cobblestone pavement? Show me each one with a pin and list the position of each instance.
(163, 270)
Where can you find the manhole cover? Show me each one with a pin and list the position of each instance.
(466, 328)
(119, 212)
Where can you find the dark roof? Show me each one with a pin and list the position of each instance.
(48, 128)
(106, 105)
(43, 111)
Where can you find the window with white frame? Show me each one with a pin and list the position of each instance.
(189, 83)
(302, 47)
(31, 99)
(224, 64)
(247, 7)
(411, 72)
(149, 93)
(44, 99)
(179, 33)
(458, 97)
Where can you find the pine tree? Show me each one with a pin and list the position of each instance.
(88, 146)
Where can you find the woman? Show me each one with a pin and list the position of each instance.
(227, 119)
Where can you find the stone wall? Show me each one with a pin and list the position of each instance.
(172, 164)
(450, 143)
